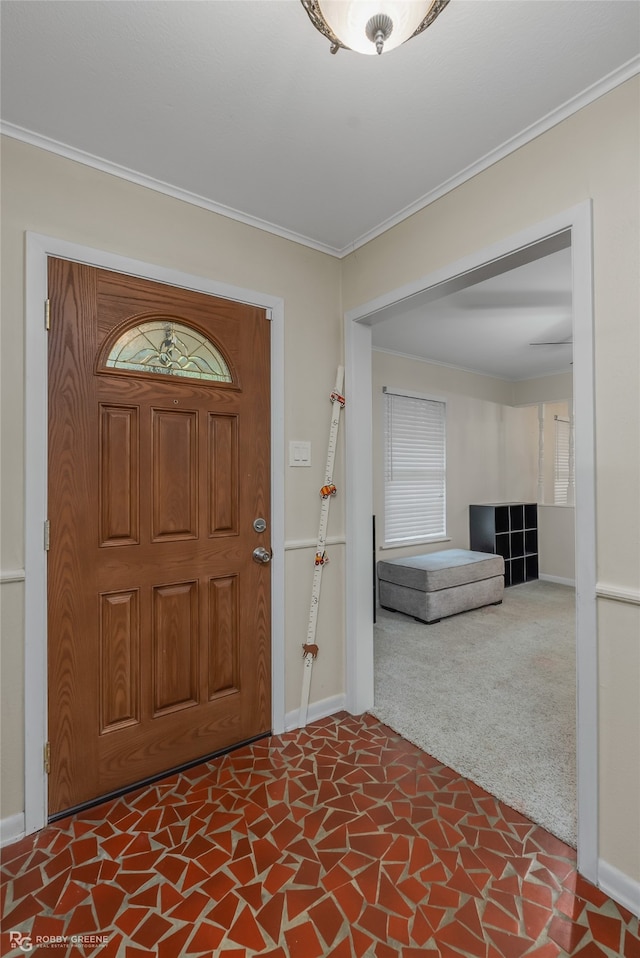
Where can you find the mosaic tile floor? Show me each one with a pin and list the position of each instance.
(338, 841)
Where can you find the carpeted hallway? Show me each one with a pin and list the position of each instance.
(341, 840)
(491, 693)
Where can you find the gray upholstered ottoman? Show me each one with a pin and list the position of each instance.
(430, 587)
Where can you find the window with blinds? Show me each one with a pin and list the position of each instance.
(561, 462)
(414, 469)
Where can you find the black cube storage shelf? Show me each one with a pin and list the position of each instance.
(509, 529)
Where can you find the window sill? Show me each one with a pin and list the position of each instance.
(408, 543)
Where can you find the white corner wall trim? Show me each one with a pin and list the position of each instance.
(11, 829)
(124, 173)
(620, 887)
(317, 711)
(618, 594)
(11, 575)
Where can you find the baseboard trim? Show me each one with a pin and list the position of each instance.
(558, 579)
(316, 711)
(620, 887)
(11, 829)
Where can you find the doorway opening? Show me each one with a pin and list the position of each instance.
(575, 223)
(490, 693)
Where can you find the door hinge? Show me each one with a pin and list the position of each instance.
(47, 758)
(47, 535)
(47, 314)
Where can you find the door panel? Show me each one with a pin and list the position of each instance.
(174, 468)
(159, 462)
(119, 679)
(223, 635)
(223, 461)
(119, 475)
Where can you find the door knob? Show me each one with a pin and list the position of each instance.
(261, 555)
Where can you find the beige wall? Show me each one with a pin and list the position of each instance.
(557, 542)
(594, 155)
(544, 389)
(54, 196)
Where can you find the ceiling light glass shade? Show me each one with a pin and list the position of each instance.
(371, 26)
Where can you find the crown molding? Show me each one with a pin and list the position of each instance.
(159, 186)
(457, 368)
(626, 72)
(592, 93)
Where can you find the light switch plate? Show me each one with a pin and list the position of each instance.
(299, 453)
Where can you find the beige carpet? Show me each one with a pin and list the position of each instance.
(491, 693)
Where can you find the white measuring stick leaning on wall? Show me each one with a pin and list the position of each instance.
(328, 490)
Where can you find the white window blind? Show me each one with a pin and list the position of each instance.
(561, 462)
(414, 477)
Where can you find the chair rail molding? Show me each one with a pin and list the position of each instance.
(291, 545)
(11, 575)
(604, 590)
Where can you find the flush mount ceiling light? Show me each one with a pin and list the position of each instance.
(371, 26)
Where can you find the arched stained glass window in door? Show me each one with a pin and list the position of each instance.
(168, 347)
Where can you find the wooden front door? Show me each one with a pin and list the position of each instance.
(159, 465)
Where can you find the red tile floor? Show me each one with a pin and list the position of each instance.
(338, 841)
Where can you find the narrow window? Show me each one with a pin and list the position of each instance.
(414, 469)
(561, 462)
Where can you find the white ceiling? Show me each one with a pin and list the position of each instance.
(239, 106)
(239, 102)
(488, 327)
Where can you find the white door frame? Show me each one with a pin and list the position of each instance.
(38, 249)
(359, 509)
